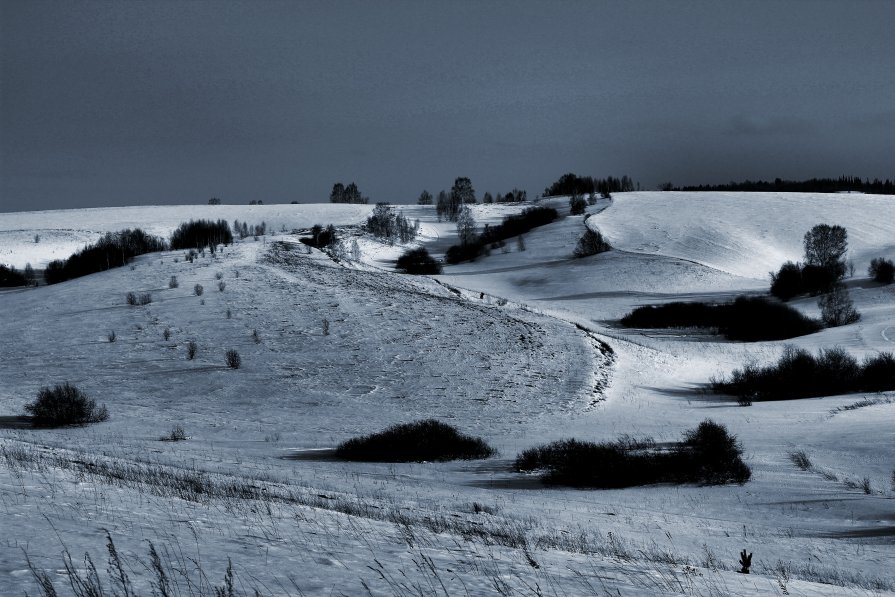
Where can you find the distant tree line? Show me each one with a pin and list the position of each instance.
(198, 234)
(813, 185)
(449, 204)
(347, 194)
(572, 184)
(114, 249)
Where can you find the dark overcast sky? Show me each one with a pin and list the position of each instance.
(123, 103)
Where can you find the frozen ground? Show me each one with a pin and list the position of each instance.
(487, 346)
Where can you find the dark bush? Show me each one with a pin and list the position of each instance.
(837, 308)
(198, 234)
(198, 289)
(747, 319)
(321, 237)
(798, 374)
(234, 361)
(112, 250)
(64, 405)
(418, 261)
(511, 226)
(191, 349)
(882, 270)
(878, 373)
(591, 243)
(420, 441)
(787, 283)
(138, 300)
(10, 276)
(794, 279)
(707, 454)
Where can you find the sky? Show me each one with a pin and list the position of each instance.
(140, 103)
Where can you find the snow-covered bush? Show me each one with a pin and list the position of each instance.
(420, 441)
(64, 404)
(173, 283)
(138, 300)
(198, 289)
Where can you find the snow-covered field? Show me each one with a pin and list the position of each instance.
(489, 347)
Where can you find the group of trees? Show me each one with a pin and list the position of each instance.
(472, 245)
(347, 194)
(572, 184)
(824, 266)
(813, 185)
(199, 234)
(820, 274)
(244, 229)
(114, 249)
(449, 204)
(386, 224)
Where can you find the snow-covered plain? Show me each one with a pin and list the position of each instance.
(488, 346)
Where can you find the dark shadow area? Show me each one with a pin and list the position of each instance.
(16, 422)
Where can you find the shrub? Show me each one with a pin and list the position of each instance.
(882, 270)
(233, 359)
(418, 262)
(112, 336)
(878, 373)
(173, 283)
(166, 334)
(428, 440)
(577, 204)
(112, 250)
(747, 319)
(787, 282)
(219, 275)
(10, 276)
(591, 243)
(177, 434)
(191, 349)
(798, 374)
(198, 289)
(256, 337)
(138, 300)
(64, 405)
(198, 234)
(222, 285)
(837, 308)
(707, 454)
(321, 237)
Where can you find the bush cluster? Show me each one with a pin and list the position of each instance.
(138, 300)
(794, 279)
(748, 319)
(418, 262)
(511, 226)
(64, 404)
(198, 234)
(707, 454)
(112, 250)
(10, 276)
(882, 270)
(591, 243)
(428, 440)
(321, 237)
(244, 229)
(799, 374)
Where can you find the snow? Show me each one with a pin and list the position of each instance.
(488, 346)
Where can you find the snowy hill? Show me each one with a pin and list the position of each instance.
(332, 349)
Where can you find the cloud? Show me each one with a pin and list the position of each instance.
(758, 125)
